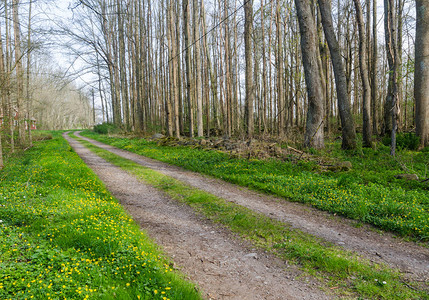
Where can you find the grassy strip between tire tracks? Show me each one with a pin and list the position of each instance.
(63, 236)
(401, 208)
(348, 274)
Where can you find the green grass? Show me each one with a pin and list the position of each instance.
(353, 276)
(63, 236)
(369, 193)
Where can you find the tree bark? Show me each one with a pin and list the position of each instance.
(374, 86)
(391, 109)
(29, 104)
(363, 63)
(310, 56)
(189, 79)
(172, 82)
(19, 71)
(421, 75)
(123, 67)
(198, 71)
(279, 65)
(3, 110)
(248, 28)
(8, 61)
(347, 123)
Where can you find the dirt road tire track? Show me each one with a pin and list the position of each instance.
(223, 266)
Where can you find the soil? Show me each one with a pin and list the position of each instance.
(233, 260)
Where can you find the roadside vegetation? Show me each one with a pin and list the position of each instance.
(368, 193)
(63, 236)
(343, 272)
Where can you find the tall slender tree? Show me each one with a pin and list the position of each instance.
(248, 29)
(189, 77)
(343, 98)
(19, 70)
(363, 63)
(374, 63)
(421, 75)
(198, 70)
(391, 106)
(314, 136)
(29, 104)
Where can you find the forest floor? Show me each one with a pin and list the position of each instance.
(227, 267)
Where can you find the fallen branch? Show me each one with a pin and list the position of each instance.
(295, 150)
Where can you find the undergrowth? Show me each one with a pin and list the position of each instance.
(63, 236)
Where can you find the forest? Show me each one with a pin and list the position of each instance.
(207, 149)
(289, 70)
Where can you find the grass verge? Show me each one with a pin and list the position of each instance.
(63, 236)
(342, 270)
(363, 194)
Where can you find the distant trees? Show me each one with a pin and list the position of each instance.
(29, 92)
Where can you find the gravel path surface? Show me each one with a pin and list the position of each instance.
(377, 246)
(223, 266)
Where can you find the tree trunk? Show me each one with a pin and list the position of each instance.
(8, 61)
(279, 65)
(248, 28)
(400, 12)
(189, 79)
(347, 123)
(228, 77)
(391, 109)
(3, 98)
(123, 67)
(310, 56)
(198, 71)
(363, 63)
(210, 77)
(421, 75)
(172, 82)
(390, 36)
(29, 104)
(19, 71)
(374, 79)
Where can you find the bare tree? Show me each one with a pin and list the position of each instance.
(189, 77)
(363, 63)
(198, 71)
(347, 123)
(391, 106)
(29, 104)
(248, 28)
(19, 70)
(374, 62)
(421, 75)
(310, 56)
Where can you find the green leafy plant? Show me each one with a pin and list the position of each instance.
(404, 140)
(106, 128)
(62, 235)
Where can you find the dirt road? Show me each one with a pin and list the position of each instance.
(223, 266)
(377, 246)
